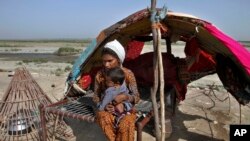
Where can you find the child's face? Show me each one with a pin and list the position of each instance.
(110, 83)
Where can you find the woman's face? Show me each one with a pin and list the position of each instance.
(109, 61)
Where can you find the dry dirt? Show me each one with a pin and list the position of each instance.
(203, 115)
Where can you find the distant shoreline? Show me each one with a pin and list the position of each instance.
(45, 43)
(64, 42)
(49, 40)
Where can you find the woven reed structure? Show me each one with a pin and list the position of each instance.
(19, 110)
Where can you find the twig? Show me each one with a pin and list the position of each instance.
(229, 103)
(212, 87)
(208, 123)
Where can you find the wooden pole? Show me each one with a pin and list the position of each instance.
(169, 49)
(156, 76)
(43, 123)
(162, 84)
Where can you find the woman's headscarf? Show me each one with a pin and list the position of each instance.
(117, 48)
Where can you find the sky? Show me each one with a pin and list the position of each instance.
(79, 19)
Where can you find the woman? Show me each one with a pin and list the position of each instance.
(113, 56)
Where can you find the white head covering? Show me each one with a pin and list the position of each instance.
(117, 48)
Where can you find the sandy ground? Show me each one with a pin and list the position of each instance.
(201, 116)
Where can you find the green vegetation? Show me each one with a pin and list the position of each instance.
(67, 51)
(19, 63)
(67, 68)
(10, 45)
(58, 72)
(71, 62)
(36, 61)
(15, 49)
(245, 43)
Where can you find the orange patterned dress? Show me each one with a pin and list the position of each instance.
(106, 120)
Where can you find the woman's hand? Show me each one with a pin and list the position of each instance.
(110, 108)
(120, 98)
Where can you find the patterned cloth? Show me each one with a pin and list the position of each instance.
(133, 50)
(126, 126)
(203, 61)
(125, 129)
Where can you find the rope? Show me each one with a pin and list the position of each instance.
(159, 26)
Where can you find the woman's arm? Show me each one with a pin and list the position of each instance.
(97, 89)
(132, 85)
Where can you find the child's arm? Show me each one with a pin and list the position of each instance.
(108, 97)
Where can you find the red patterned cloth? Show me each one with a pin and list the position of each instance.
(133, 50)
(204, 61)
(142, 67)
(85, 81)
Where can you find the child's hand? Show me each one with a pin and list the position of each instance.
(110, 108)
(120, 98)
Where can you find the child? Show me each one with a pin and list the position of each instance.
(115, 83)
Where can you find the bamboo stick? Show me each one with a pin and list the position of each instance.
(156, 76)
(161, 76)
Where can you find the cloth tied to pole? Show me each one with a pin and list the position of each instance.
(160, 26)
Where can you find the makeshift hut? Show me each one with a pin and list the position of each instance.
(207, 49)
